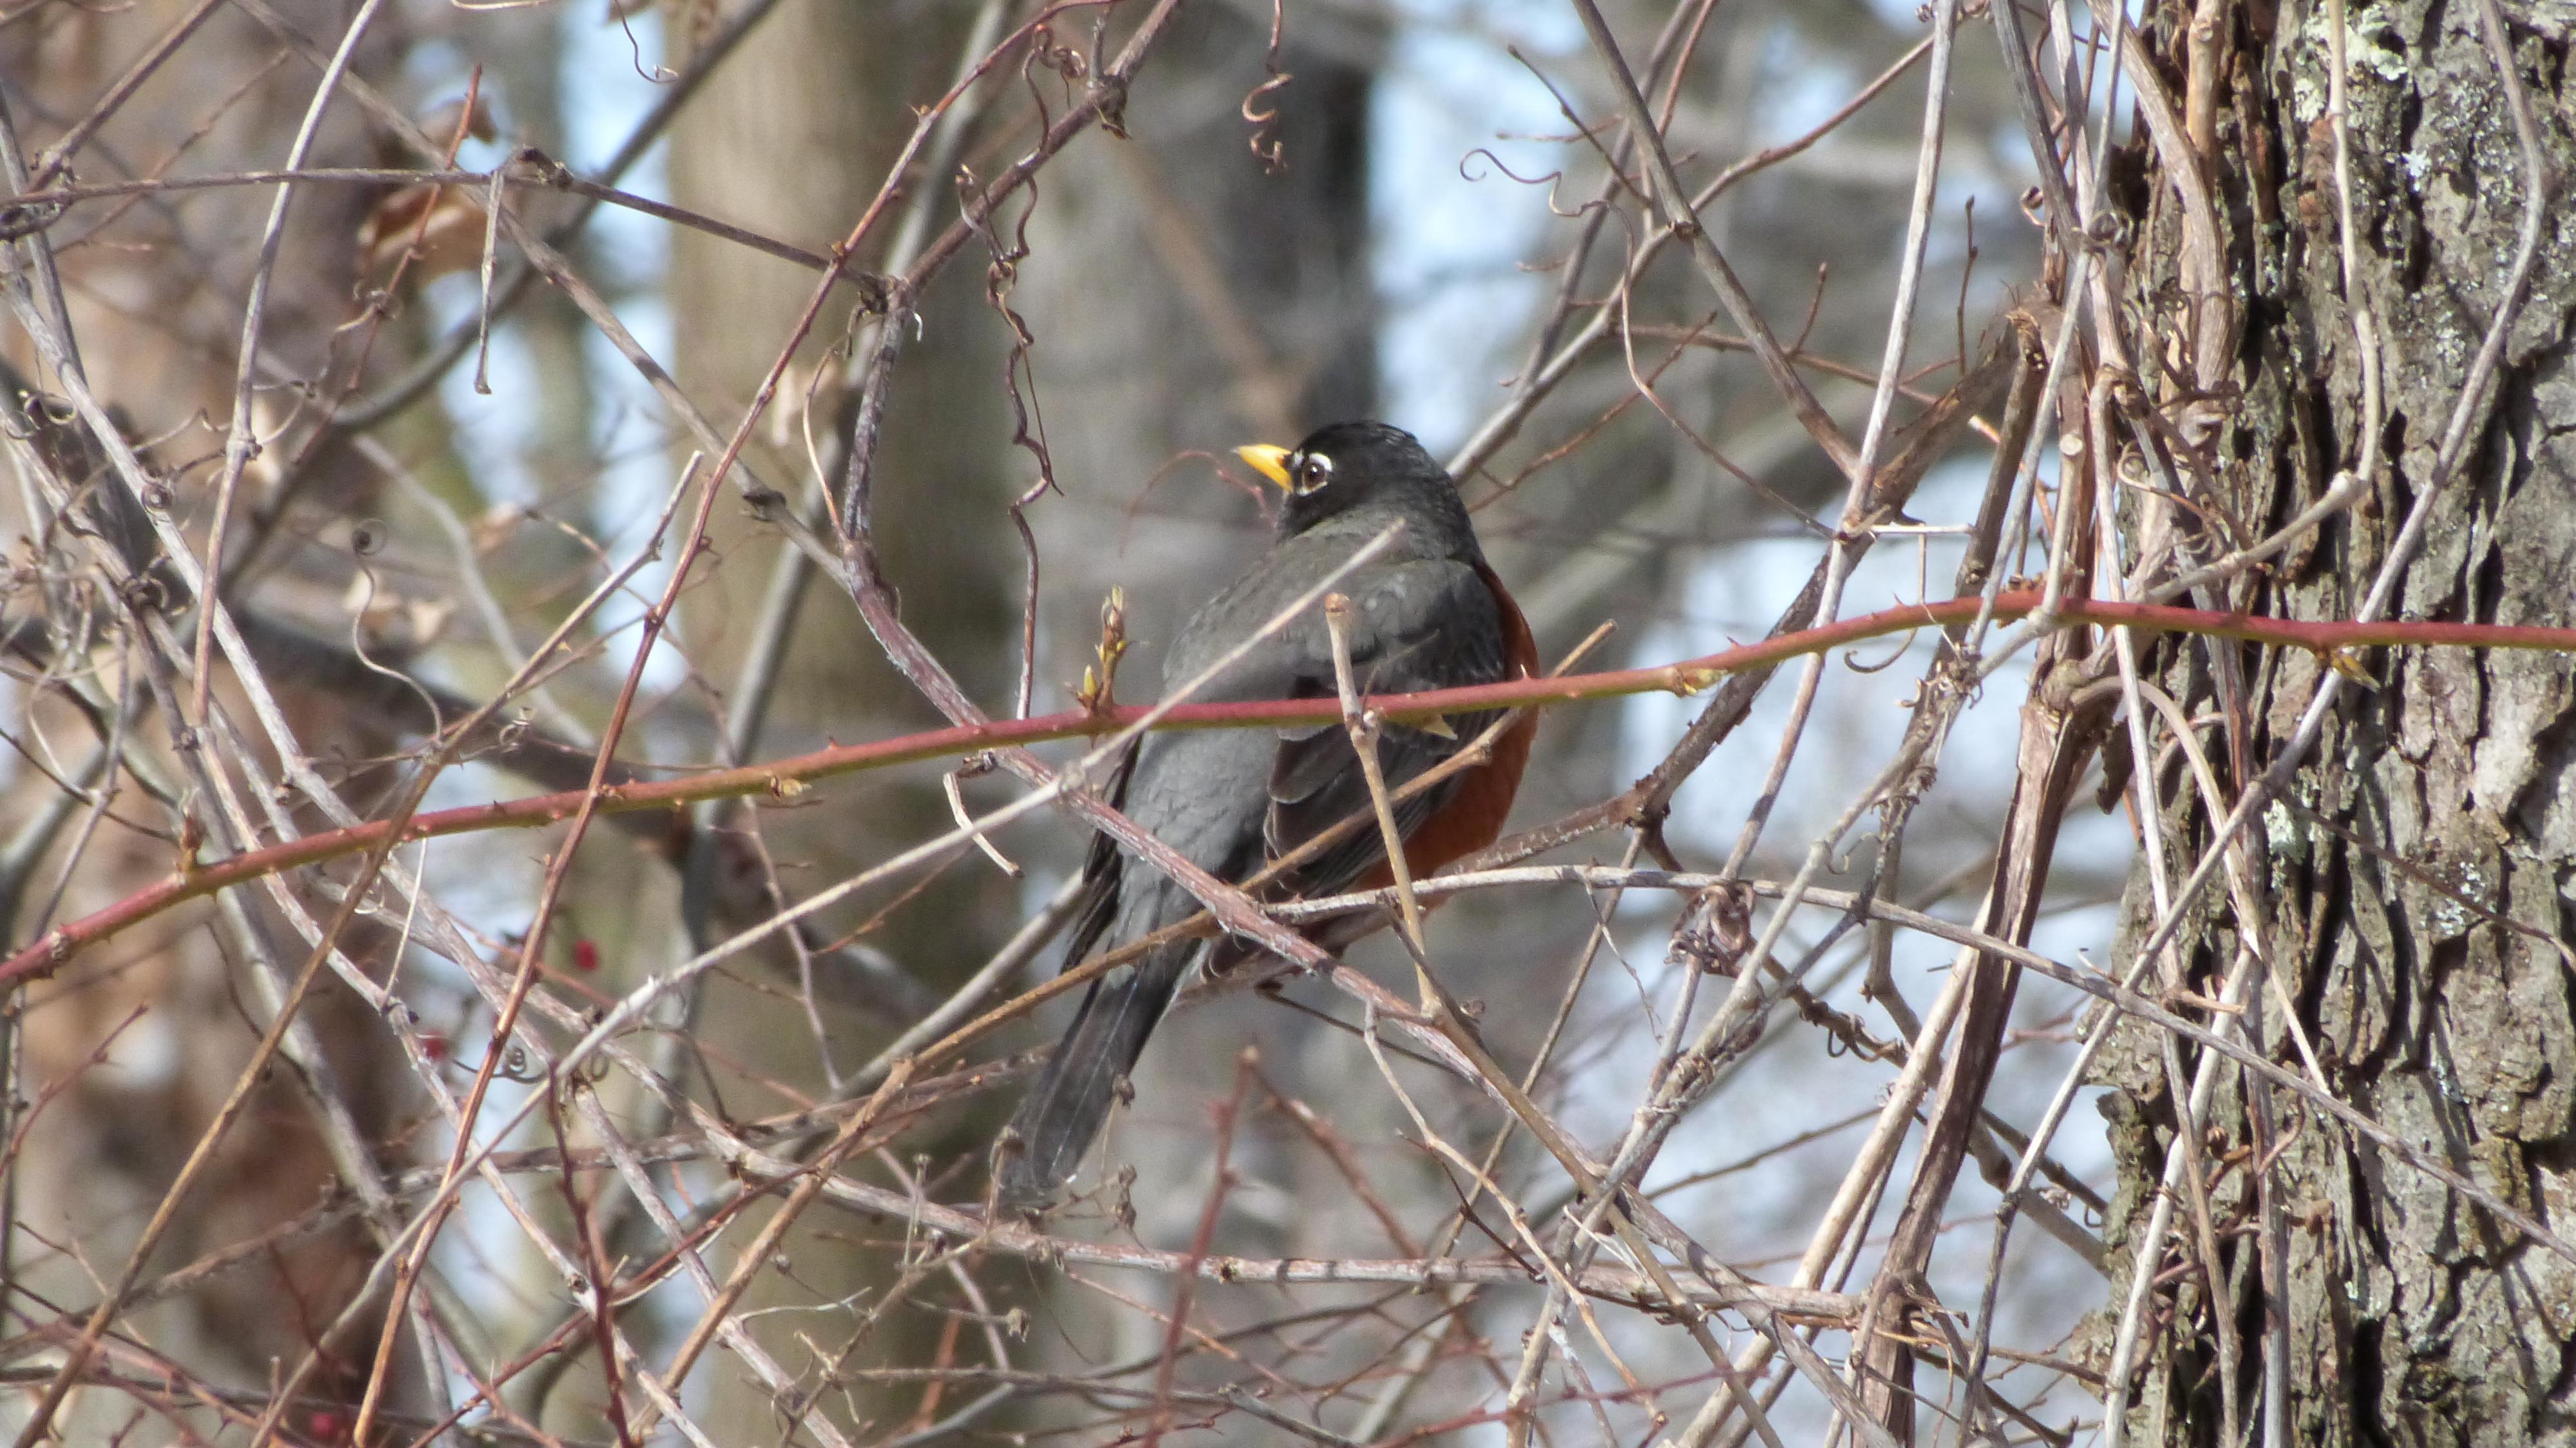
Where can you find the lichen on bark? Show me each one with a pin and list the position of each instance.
(2418, 883)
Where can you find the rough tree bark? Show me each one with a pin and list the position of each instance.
(2417, 880)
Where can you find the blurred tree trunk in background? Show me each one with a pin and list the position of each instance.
(792, 138)
(154, 295)
(2419, 877)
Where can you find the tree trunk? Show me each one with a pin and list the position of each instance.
(792, 138)
(2414, 884)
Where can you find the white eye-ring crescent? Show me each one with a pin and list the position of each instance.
(1312, 471)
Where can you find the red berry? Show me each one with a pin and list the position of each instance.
(585, 954)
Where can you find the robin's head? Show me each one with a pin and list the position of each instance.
(1354, 465)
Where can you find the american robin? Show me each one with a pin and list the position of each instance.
(1426, 614)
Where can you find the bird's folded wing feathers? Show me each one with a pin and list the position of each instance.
(1102, 866)
(1430, 625)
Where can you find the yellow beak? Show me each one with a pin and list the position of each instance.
(1270, 462)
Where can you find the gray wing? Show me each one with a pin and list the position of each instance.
(1226, 798)
(1230, 799)
(1435, 626)
(1102, 869)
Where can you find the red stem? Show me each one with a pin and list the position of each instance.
(785, 777)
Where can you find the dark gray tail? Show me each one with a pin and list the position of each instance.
(1071, 1100)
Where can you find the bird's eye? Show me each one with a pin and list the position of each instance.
(1313, 471)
